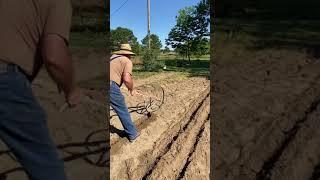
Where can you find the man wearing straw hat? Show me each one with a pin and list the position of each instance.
(121, 72)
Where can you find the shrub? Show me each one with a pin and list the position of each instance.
(150, 60)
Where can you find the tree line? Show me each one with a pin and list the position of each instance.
(189, 37)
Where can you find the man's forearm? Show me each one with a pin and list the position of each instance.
(57, 60)
(129, 85)
(62, 74)
(128, 81)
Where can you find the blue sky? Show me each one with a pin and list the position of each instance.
(133, 15)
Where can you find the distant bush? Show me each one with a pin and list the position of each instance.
(150, 60)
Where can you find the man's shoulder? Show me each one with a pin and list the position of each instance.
(120, 57)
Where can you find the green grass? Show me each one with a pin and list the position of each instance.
(195, 68)
(177, 57)
(271, 33)
(199, 67)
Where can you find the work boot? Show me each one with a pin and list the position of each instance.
(132, 139)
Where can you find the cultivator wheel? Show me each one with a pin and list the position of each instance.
(153, 99)
(99, 159)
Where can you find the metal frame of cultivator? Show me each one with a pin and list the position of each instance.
(147, 106)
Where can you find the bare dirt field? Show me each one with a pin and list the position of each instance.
(73, 130)
(174, 140)
(267, 115)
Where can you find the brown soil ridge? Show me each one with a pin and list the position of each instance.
(291, 137)
(299, 158)
(149, 159)
(141, 123)
(263, 102)
(177, 157)
(265, 147)
(199, 161)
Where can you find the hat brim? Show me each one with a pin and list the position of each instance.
(124, 52)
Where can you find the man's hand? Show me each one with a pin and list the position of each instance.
(134, 92)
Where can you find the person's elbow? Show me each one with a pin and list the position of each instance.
(50, 59)
(127, 78)
(54, 50)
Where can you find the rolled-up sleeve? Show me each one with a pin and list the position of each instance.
(128, 67)
(58, 19)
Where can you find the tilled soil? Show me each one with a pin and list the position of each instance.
(198, 163)
(170, 141)
(267, 116)
(71, 128)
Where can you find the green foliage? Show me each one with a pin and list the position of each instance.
(200, 48)
(150, 60)
(166, 50)
(150, 56)
(124, 35)
(155, 43)
(190, 34)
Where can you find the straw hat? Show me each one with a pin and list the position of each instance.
(124, 49)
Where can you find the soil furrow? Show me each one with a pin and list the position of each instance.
(141, 123)
(168, 146)
(258, 157)
(178, 153)
(158, 132)
(150, 158)
(200, 159)
(266, 171)
(299, 158)
(193, 150)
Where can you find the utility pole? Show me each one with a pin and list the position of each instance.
(148, 2)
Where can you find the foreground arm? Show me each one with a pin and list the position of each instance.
(128, 81)
(127, 77)
(57, 60)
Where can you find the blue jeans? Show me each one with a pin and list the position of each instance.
(118, 104)
(23, 127)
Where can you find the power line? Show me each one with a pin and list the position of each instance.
(119, 7)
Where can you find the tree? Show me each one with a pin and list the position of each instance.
(166, 50)
(155, 42)
(191, 30)
(202, 19)
(200, 48)
(124, 35)
(150, 56)
(181, 35)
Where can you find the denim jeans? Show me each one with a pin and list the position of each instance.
(118, 104)
(23, 127)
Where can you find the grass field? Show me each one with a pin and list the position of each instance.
(197, 67)
(270, 33)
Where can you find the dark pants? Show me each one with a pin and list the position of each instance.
(23, 127)
(119, 105)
